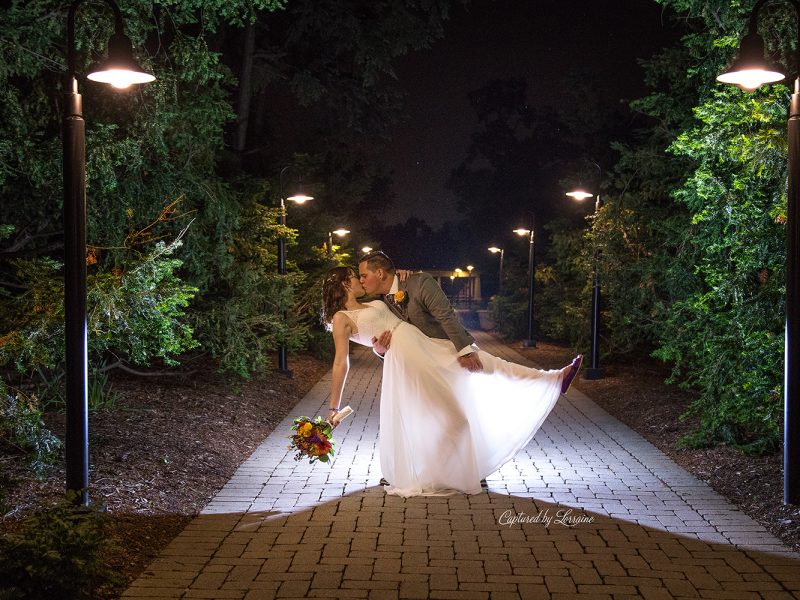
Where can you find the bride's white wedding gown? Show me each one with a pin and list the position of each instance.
(442, 428)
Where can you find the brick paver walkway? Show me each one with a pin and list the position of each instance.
(588, 508)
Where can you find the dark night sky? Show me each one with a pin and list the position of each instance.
(536, 40)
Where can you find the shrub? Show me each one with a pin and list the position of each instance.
(56, 554)
(134, 314)
(21, 427)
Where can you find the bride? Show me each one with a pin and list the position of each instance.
(442, 428)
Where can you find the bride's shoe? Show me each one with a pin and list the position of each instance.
(572, 373)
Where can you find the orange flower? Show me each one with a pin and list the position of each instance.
(400, 296)
(304, 429)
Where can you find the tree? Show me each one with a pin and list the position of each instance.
(150, 168)
(164, 145)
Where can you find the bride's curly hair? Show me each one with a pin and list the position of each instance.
(334, 294)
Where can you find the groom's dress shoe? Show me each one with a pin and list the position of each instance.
(383, 481)
(572, 373)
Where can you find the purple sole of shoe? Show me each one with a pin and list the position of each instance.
(575, 367)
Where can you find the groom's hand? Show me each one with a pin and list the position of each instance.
(471, 362)
(381, 344)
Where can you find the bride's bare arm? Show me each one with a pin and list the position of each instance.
(342, 329)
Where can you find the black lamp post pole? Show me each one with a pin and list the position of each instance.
(282, 360)
(282, 351)
(594, 371)
(73, 140)
(791, 452)
(530, 342)
(500, 284)
(74, 167)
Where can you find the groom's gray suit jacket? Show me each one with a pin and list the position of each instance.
(428, 308)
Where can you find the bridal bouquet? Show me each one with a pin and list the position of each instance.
(312, 438)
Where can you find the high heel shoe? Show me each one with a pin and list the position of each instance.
(574, 367)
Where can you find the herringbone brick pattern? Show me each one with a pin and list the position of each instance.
(589, 508)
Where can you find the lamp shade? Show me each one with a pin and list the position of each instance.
(751, 69)
(120, 69)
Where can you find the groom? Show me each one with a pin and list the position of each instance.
(420, 301)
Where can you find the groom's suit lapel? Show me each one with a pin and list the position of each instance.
(401, 312)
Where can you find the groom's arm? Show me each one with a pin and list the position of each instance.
(435, 301)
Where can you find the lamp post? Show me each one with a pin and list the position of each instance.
(457, 274)
(495, 250)
(749, 71)
(120, 70)
(298, 197)
(341, 233)
(530, 342)
(471, 291)
(366, 249)
(593, 371)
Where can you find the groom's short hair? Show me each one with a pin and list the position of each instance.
(378, 260)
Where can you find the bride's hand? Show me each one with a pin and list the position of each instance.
(381, 344)
(403, 274)
(332, 418)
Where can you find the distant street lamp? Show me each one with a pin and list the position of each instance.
(749, 71)
(121, 71)
(530, 342)
(341, 233)
(495, 250)
(299, 197)
(594, 371)
(366, 249)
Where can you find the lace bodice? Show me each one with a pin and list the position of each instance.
(372, 321)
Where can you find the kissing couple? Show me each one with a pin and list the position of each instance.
(450, 413)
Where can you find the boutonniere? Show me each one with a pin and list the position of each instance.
(400, 296)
